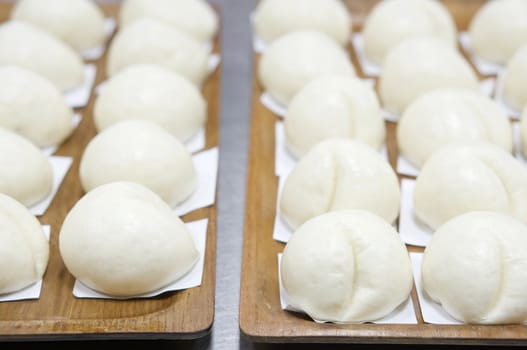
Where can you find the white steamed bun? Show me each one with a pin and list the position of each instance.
(346, 267)
(340, 174)
(293, 60)
(460, 178)
(443, 116)
(150, 41)
(79, 23)
(419, 65)
(27, 46)
(142, 152)
(24, 250)
(333, 106)
(515, 80)
(393, 21)
(123, 240)
(153, 93)
(475, 267)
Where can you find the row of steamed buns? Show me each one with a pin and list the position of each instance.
(123, 237)
(345, 262)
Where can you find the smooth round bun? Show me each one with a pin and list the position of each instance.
(24, 45)
(420, 65)
(296, 58)
(33, 107)
(460, 178)
(24, 250)
(515, 80)
(274, 18)
(346, 267)
(475, 267)
(498, 29)
(79, 23)
(393, 21)
(340, 174)
(149, 41)
(142, 152)
(123, 240)
(153, 93)
(523, 132)
(443, 116)
(196, 18)
(25, 173)
(333, 106)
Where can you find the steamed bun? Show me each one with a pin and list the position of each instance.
(24, 45)
(274, 18)
(33, 107)
(333, 106)
(448, 115)
(121, 239)
(149, 41)
(142, 152)
(340, 174)
(515, 80)
(24, 250)
(394, 21)
(196, 18)
(79, 23)
(498, 29)
(420, 65)
(475, 267)
(153, 93)
(346, 267)
(460, 178)
(296, 58)
(26, 174)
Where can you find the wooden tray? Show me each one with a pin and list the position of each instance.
(261, 318)
(57, 314)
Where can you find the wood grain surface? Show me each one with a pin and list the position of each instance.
(261, 317)
(186, 314)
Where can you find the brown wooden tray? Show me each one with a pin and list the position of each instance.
(186, 314)
(261, 318)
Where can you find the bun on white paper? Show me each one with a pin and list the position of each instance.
(122, 239)
(333, 106)
(498, 29)
(296, 58)
(150, 41)
(194, 17)
(33, 107)
(153, 93)
(346, 267)
(515, 79)
(393, 21)
(274, 18)
(25, 173)
(340, 174)
(443, 116)
(142, 152)
(24, 250)
(460, 178)
(475, 267)
(24, 45)
(419, 65)
(79, 23)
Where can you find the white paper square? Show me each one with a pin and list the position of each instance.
(75, 121)
(516, 137)
(78, 97)
(403, 314)
(214, 62)
(197, 142)
(368, 67)
(32, 291)
(500, 100)
(206, 164)
(432, 312)
(412, 231)
(190, 280)
(60, 166)
(281, 231)
(483, 66)
(97, 52)
(405, 167)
